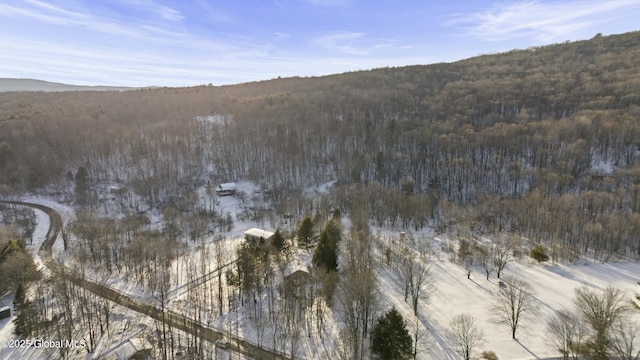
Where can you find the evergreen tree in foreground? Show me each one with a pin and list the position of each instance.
(326, 253)
(25, 321)
(278, 241)
(390, 338)
(305, 232)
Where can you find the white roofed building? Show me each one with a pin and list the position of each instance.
(255, 235)
(226, 189)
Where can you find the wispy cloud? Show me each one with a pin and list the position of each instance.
(58, 16)
(351, 43)
(123, 66)
(163, 42)
(341, 42)
(151, 32)
(281, 36)
(153, 7)
(74, 42)
(543, 21)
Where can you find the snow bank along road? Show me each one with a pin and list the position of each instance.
(168, 317)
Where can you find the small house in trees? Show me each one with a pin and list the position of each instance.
(296, 274)
(226, 189)
(258, 236)
(296, 279)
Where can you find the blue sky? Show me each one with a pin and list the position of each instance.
(183, 43)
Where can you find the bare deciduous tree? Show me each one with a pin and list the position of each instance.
(502, 251)
(601, 311)
(566, 333)
(465, 334)
(513, 304)
(358, 292)
(415, 279)
(622, 338)
(420, 334)
(486, 259)
(221, 258)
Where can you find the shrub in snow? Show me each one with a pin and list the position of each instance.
(489, 355)
(539, 254)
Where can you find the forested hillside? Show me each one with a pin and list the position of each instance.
(543, 142)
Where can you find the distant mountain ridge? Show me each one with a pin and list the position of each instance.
(11, 84)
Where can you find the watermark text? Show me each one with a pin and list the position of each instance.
(41, 343)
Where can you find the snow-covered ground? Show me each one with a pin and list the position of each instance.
(453, 294)
(554, 287)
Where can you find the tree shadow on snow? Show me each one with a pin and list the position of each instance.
(527, 349)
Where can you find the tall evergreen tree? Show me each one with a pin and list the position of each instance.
(24, 324)
(19, 298)
(334, 229)
(278, 241)
(305, 232)
(390, 338)
(326, 253)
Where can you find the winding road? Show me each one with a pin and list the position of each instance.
(170, 318)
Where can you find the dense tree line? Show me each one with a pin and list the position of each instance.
(517, 138)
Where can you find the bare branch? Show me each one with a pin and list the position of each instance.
(514, 304)
(465, 334)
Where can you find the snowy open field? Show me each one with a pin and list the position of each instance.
(554, 290)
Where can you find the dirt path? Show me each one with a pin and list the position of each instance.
(168, 317)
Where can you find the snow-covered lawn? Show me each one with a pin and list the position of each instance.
(554, 287)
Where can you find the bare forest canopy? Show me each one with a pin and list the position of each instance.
(543, 142)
